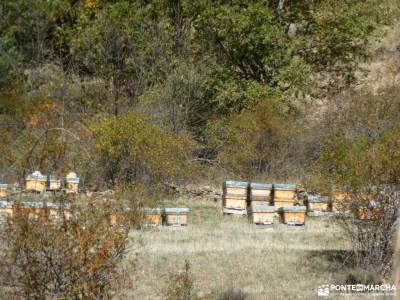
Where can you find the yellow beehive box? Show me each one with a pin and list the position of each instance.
(152, 216)
(261, 215)
(36, 182)
(260, 191)
(176, 216)
(54, 183)
(3, 190)
(72, 183)
(284, 191)
(317, 203)
(295, 215)
(341, 201)
(235, 189)
(234, 203)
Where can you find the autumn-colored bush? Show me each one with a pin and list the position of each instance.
(258, 142)
(359, 154)
(132, 149)
(75, 256)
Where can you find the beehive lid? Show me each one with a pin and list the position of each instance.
(152, 210)
(36, 204)
(39, 204)
(72, 177)
(5, 203)
(293, 208)
(316, 198)
(176, 210)
(3, 185)
(261, 208)
(36, 175)
(261, 186)
(232, 183)
(284, 186)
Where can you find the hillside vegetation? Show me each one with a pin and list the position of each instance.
(144, 92)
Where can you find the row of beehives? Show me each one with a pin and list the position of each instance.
(260, 201)
(239, 195)
(177, 216)
(363, 206)
(37, 182)
(33, 209)
(152, 216)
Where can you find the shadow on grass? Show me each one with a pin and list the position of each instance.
(334, 260)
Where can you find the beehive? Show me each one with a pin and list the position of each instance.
(317, 203)
(36, 182)
(295, 215)
(6, 210)
(152, 216)
(176, 216)
(72, 183)
(54, 183)
(260, 194)
(234, 195)
(235, 188)
(340, 201)
(3, 190)
(284, 191)
(261, 214)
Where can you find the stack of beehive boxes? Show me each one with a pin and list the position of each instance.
(284, 195)
(259, 209)
(260, 194)
(234, 197)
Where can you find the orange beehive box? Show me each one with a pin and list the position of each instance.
(284, 191)
(152, 216)
(234, 203)
(3, 190)
(261, 191)
(235, 189)
(295, 215)
(36, 182)
(317, 203)
(176, 216)
(261, 215)
(260, 194)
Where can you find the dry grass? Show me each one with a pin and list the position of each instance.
(278, 262)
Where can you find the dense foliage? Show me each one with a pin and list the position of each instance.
(128, 91)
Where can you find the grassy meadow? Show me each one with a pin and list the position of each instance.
(267, 262)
